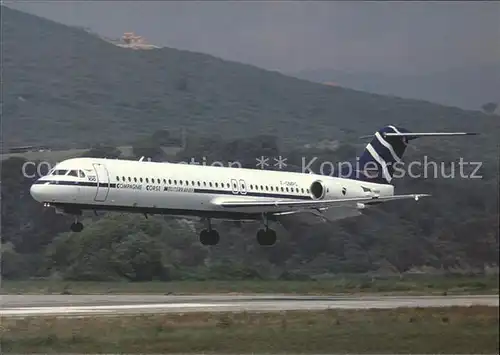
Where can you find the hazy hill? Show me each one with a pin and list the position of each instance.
(468, 87)
(63, 85)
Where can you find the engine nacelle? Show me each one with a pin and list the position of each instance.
(318, 190)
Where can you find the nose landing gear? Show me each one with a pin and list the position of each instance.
(76, 226)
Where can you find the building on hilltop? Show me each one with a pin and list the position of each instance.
(132, 41)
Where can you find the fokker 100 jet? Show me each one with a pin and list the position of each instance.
(227, 193)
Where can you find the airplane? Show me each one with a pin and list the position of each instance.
(228, 193)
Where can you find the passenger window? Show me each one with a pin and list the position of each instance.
(210, 184)
(140, 179)
(169, 181)
(117, 178)
(135, 179)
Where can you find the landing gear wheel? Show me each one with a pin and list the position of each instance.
(76, 227)
(209, 237)
(266, 237)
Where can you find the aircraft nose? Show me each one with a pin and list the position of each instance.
(36, 191)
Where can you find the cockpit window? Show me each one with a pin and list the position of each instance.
(73, 173)
(59, 172)
(81, 174)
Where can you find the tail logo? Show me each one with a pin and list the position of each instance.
(377, 163)
(382, 153)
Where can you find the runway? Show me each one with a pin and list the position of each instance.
(86, 305)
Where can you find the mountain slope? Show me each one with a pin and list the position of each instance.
(65, 86)
(467, 88)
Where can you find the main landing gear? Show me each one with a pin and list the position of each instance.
(209, 236)
(267, 236)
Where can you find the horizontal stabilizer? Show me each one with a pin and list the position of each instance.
(427, 134)
(422, 134)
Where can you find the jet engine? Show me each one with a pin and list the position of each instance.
(318, 190)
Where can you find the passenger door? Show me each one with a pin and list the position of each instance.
(102, 178)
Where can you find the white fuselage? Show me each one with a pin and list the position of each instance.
(182, 189)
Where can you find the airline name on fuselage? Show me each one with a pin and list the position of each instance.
(178, 189)
(129, 186)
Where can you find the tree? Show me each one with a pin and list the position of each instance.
(489, 107)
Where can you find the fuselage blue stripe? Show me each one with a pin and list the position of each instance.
(165, 189)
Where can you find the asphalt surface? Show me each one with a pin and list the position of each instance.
(85, 305)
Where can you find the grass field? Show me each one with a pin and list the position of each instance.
(412, 285)
(421, 330)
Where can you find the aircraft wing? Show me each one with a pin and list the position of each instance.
(304, 205)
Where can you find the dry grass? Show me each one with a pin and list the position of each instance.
(420, 330)
(411, 285)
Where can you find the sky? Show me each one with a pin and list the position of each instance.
(384, 37)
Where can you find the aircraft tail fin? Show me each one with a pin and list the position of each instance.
(386, 149)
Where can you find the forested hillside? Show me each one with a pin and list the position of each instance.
(64, 84)
(65, 87)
